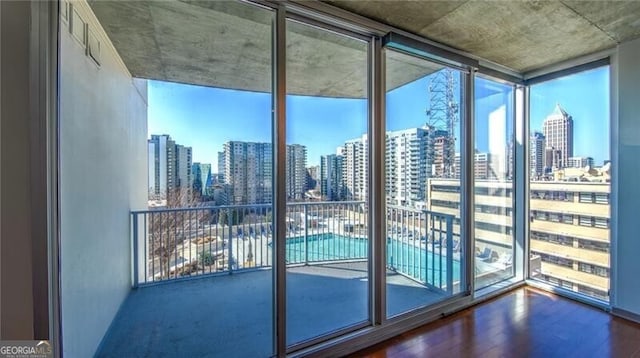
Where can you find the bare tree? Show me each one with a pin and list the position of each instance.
(170, 229)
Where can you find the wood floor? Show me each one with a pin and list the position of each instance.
(524, 323)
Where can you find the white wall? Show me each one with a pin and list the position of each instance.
(103, 176)
(626, 295)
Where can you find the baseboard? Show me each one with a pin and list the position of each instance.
(625, 314)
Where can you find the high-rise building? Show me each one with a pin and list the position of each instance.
(407, 156)
(510, 154)
(558, 132)
(442, 143)
(161, 151)
(355, 168)
(481, 167)
(202, 178)
(407, 167)
(169, 168)
(537, 155)
(313, 178)
(221, 165)
(552, 158)
(331, 177)
(248, 172)
(296, 181)
(184, 179)
(196, 171)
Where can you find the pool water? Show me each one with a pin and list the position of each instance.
(426, 266)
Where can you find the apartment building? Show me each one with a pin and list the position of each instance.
(248, 172)
(569, 227)
(331, 177)
(407, 169)
(313, 177)
(221, 167)
(296, 182)
(169, 166)
(355, 168)
(184, 177)
(410, 159)
(481, 167)
(442, 147)
(537, 155)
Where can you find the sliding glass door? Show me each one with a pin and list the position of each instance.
(327, 179)
(165, 121)
(494, 174)
(424, 249)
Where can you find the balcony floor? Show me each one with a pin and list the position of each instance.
(230, 315)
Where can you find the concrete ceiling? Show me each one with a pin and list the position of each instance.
(228, 45)
(522, 35)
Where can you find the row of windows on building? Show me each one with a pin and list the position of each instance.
(485, 209)
(582, 266)
(586, 290)
(495, 210)
(583, 220)
(500, 192)
(501, 229)
(569, 241)
(589, 221)
(540, 215)
(583, 197)
(479, 190)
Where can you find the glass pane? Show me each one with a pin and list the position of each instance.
(570, 178)
(494, 173)
(327, 151)
(168, 105)
(424, 250)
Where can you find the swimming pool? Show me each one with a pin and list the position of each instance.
(426, 266)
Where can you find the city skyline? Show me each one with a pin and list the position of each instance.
(204, 111)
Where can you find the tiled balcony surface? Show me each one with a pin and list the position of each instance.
(231, 315)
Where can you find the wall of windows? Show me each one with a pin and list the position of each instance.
(280, 213)
(422, 151)
(494, 177)
(327, 240)
(570, 182)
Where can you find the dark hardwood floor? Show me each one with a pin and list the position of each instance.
(523, 323)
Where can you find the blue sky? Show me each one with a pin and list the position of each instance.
(204, 118)
(585, 96)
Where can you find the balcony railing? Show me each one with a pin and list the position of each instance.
(172, 244)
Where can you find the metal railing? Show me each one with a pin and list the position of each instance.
(420, 245)
(170, 244)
